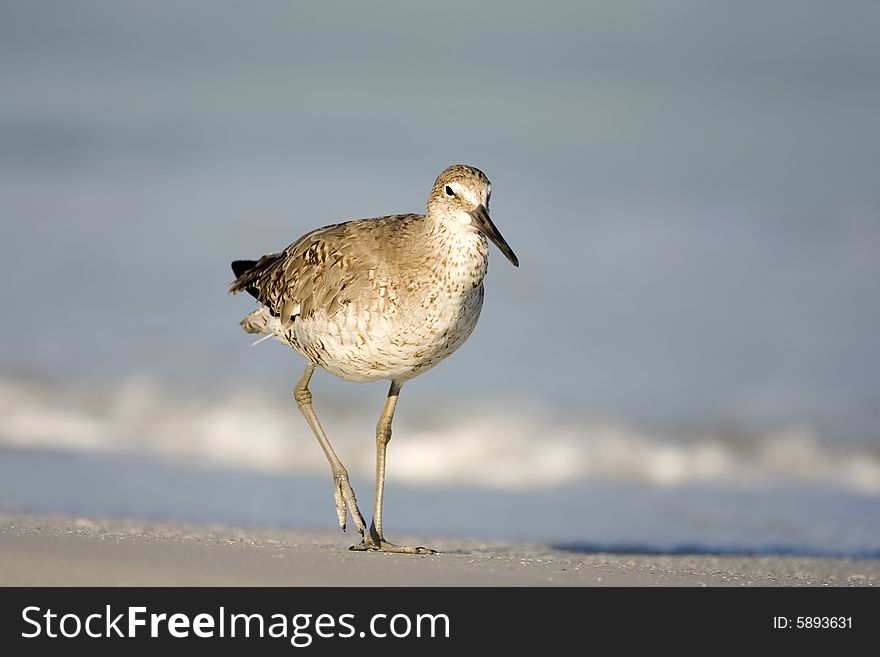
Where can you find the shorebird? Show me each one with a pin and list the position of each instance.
(385, 298)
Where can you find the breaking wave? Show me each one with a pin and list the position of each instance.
(500, 449)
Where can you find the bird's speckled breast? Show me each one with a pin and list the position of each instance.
(412, 318)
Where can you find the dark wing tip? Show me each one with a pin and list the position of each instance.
(239, 267)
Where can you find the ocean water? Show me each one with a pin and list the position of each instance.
(687, 355)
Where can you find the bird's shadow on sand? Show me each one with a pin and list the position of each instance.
(695, 549)
(686, 549)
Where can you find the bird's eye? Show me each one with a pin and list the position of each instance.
(448, 191)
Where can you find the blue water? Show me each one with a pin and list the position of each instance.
(691, 190)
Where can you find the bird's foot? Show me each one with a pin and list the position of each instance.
(346, 503)
(373, 543)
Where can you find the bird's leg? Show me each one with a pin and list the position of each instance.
(342, 491)
(375, 539)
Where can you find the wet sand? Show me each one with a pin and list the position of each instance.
(58, 550)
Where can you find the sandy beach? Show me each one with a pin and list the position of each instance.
(40, 550)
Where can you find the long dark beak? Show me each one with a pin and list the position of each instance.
(484, 223)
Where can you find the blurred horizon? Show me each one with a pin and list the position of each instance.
(691, 189)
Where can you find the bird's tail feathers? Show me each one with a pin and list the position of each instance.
(248, 273)
(256, 322)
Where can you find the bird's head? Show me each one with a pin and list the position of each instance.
(460, 198)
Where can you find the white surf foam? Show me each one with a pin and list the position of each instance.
(499, 448)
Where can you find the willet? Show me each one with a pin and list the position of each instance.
(383, 298)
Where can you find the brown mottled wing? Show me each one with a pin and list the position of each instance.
(318, 271)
